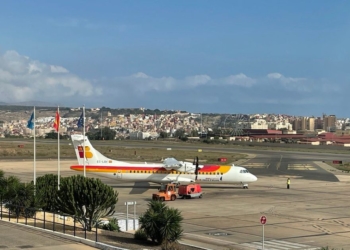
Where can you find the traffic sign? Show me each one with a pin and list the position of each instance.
(130, 203)
(263, 219)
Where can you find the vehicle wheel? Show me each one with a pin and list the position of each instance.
(200, 196)
(162, 199)
(173, 197)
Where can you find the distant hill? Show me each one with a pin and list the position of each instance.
(33, 103)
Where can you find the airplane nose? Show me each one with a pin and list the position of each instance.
(254, 178)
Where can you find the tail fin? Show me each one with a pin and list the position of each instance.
(92, 156)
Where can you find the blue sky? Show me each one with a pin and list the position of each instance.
(289, 57)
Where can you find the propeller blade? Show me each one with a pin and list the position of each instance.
(196, 170)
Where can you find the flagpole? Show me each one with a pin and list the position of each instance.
(57, 118)
(84, 140)
(34, 166)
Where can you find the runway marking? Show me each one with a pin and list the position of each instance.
(301, 167)
(322, 229)
(276, 245)
(256, 165)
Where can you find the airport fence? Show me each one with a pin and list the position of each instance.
(57, 222)
(126, 216)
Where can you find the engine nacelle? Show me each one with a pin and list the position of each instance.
(187, 167)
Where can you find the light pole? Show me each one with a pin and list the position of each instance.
(101, 124)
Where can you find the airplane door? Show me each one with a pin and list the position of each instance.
(218, 175)
(119, 174)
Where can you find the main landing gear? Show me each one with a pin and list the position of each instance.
(245, 186)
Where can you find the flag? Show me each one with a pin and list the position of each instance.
(81, 120)
(56, 123)
(30, 123)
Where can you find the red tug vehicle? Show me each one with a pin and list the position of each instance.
(190, 191)
(168, 192)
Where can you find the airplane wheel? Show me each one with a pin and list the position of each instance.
(173, 197)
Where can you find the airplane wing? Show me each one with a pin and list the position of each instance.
(173, 164)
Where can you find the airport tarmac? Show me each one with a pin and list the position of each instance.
(313, 213)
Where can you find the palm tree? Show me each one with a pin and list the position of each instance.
(161, 223)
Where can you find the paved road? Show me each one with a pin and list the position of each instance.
(14, 236)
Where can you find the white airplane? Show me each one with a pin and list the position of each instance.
(169, 171)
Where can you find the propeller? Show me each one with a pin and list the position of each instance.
(195, 162)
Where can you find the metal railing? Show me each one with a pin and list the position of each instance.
(57, 222)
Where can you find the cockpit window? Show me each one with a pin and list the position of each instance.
(244, 171)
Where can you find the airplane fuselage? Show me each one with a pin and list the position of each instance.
(171, 170)
(156, 173)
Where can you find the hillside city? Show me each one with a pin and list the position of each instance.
(140, 125)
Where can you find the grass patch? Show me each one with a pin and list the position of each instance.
(10, 150)
(345, 166)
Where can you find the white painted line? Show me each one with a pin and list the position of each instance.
(290, 243)
(254, 246)
(211, 239)
(274, 244)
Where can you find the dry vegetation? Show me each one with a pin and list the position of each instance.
(11, 150)
(345, 166)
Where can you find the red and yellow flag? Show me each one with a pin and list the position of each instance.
(56, 123)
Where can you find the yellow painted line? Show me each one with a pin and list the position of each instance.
(301, 167)
(256, 165)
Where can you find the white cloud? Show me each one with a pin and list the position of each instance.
(82, 23)
(24, 79)
(293, 84)
(274, 75)
(197, 80)
(58, 69)
(273, 88)
(141, 82)
(239, 80)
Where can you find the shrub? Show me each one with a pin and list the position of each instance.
(140, 235)
(170, 246)
(112, 225)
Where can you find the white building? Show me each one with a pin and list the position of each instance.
(257, 124)
(138, 135)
